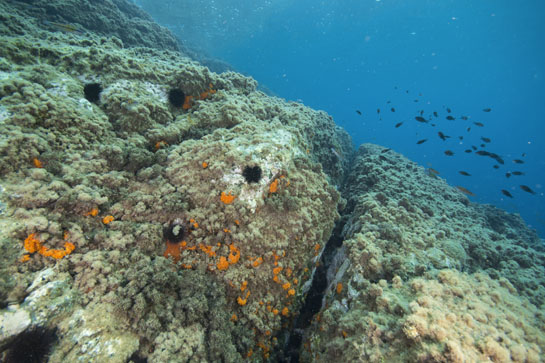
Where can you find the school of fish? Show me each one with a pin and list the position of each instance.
(434, 117)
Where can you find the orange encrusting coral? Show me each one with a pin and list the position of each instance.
(208, 250)
(285, 311)
(291, 292)
(108, 219)
(286, 286)
(227, 198)
(242, 301)
(274, 186)
(204, 165)
(222, 264)
(160, 144)
(194, 223)
(210, 91)
(93, 212)
(37, 163)
(32, 245)
(258, 261)
(57, 254)
(187, 102)
(234, 254)
(173, 250)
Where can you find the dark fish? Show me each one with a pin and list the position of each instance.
(461, 138)
(523, 154)
(465, 191)
(492, 155)
(385, 151)
(399, 124)
(415, 101)
(527, 189)
(388, 102)
(449, 153)
(406, 91)
(487, 109)
(485, 139)
(497, 158)
(468, 129)
(474, 147)
(420, 94)
(480, 124)
(518, 161)
(468, 150)
(433, 125)
(358, 112)
(421, 141)
(448, 110)
(517, 173)
(465, 173)
(393, 109)
(506, 193)
(451, 118)
(378, 110)
(420, 119)
(465, 118)
(435, 114)
(483, 145)
(442, 136)
(433, 171)
(507, 175)
(496, 166)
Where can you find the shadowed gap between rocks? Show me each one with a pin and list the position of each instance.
(313, 300)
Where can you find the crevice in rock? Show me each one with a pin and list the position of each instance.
(313, 301)
(314, 298)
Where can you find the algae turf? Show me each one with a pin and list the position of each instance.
(396, 290)
(107, 176)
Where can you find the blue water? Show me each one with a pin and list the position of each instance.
(343, 56)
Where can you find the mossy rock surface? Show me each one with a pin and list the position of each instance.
(108, 174)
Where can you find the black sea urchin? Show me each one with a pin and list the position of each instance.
(176, 97)
(175, 231)
(31, 346)
(252, 174)
(92, 92)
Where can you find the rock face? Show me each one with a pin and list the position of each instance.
(123, 173)
(425, 275)
(152, 209)
(119, 18)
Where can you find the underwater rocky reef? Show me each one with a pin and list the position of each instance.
(153, 210)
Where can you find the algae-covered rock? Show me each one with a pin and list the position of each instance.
(151, 209)
(126, 171)
(119, 18)
(396, 290)
(404, 222)
(445, 316)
